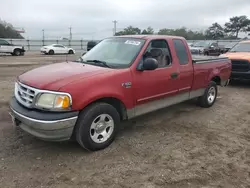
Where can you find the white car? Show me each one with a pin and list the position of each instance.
(56, 49)
(6, 47)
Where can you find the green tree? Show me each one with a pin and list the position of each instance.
(187, 34)
(130, 30)
(216, 31)
(237, 24)
(8, 31)
(148, 31)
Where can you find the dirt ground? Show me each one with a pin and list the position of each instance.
(181, 146)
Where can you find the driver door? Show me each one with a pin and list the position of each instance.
(153, 88)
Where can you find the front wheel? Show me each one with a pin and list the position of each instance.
(97, 126)
(71, 52)
(206, 54)
(51, 52)
(209, 97)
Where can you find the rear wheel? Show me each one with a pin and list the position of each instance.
(17, 52)
(209, 97)
(51, 52)
(97, 126)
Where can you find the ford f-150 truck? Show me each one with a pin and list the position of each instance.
(240, 58)
(118, 79)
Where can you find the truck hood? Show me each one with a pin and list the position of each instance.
(53, 77)
(237, 55)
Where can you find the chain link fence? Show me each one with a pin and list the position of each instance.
(35, 45)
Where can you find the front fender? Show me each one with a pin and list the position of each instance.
(108, 85)
(89, 98)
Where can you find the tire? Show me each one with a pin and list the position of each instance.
(51, 52)
(71, 52)
(17, 52)
(209, 96)
(92, 123)
(206, 53)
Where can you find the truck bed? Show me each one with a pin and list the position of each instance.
(206, 59)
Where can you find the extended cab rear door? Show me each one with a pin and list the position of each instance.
(185, 68)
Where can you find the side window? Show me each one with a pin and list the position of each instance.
(181, 51)
(214, 44)
(3, 42)
(58, 46)
(159, 50)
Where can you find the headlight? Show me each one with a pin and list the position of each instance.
(54, 101)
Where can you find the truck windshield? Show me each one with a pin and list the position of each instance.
(115, 52)
(241, 47)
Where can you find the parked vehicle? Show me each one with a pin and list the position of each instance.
(227, 47)
(90, 45)
(190, 44)
(240, 57)
(209, 48)
(57, 49)
(119, 79)
(15, 50)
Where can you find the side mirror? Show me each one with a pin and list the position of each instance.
(149, 64)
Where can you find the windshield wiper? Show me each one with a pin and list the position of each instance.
(80, 60)
(99, 62)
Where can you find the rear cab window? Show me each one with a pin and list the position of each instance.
(181, 51)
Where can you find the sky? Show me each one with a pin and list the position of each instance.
(93, 19)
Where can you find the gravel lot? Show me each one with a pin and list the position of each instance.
(181, 146)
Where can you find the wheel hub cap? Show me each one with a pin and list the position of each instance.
(101, 128)
(211, 95)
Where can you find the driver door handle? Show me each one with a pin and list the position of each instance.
(174, 75)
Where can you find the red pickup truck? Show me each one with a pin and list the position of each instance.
(119, 79)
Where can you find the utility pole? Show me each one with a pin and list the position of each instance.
(70, 33)
(43, 36)
(115, 22)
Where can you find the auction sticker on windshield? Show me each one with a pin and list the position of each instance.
(133, 42)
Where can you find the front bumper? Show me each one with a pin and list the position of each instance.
(44, 51)
(240, 75)
(51, 126)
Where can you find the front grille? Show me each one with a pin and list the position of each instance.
(240, 65)
(25, 94)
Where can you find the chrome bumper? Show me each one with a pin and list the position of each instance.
(57, 130)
